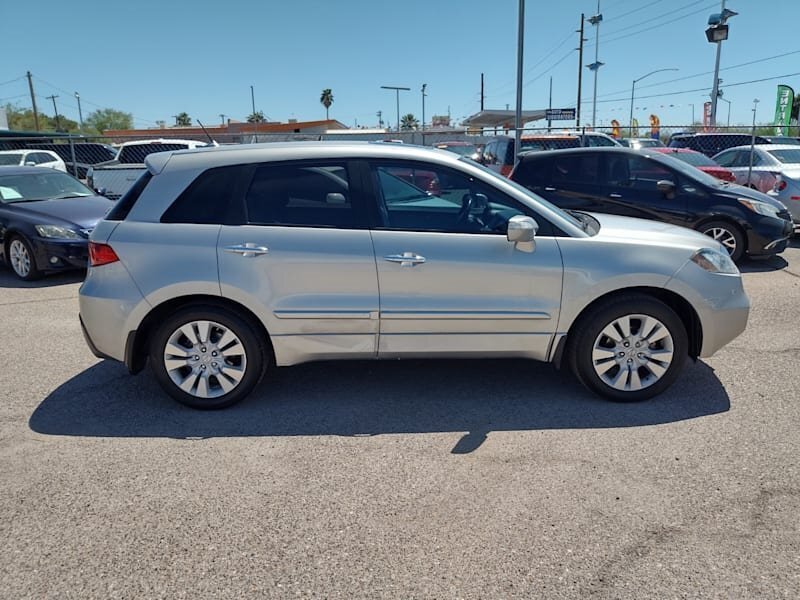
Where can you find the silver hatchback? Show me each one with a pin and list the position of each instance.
(222, 263)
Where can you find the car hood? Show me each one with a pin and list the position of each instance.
(644, 231)
(740, 191)
(85, 211)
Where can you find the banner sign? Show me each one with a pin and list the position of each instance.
(559, 114)
(615, 133)
(783, 109)
(635, 127)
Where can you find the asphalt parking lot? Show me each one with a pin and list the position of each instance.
(437, 479)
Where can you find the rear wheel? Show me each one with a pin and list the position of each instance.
(21, 259)
(727, 234)
(207, 357)
(628, 348)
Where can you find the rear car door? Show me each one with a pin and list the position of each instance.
(450, 282)
(570, 181)
(301, 252)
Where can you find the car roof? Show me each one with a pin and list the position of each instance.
(16, 170)
(668, 150)
(211, 156)
(588, 150)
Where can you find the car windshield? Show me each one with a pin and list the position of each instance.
(688, 170)
(465, 150)
(10, 159)
(48, 185)
(693, 158)
(788, 155)
(565, 215)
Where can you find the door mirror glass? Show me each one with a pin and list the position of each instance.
(522, 231)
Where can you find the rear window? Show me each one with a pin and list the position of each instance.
(694, 158)
(125, 204)
(208, 197)
(790, 155)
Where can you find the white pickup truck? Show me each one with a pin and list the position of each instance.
(113, 178)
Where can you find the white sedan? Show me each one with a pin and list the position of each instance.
(32, 158)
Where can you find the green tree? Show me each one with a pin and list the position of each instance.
(21, 119)
(408, 122)
(107, 118)
(326, 99)
(182, 119)
(256, 117)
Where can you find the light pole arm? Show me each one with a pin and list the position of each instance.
(633, 88)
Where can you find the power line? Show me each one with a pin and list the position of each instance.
(658, 25)
(12, 80)
(630, 12)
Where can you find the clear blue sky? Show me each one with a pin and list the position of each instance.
(155, 59)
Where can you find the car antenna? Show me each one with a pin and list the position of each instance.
(210, 139)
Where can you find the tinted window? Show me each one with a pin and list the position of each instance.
(534, 172)
(791, 155)
(207, 198)
(302, 195)
(455, 202)
(726, 159)
(575, 168)
(645, 174)
(125, 204)
(136, 154)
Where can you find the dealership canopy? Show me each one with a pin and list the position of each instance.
(502, 118)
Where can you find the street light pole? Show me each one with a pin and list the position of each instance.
(518, 112)
(80, 113)
(717, 33)
(595, 66)
(752, 143)
(424, 85)
(729, 108)
(397, 90)
(633, 87)
(253, 99)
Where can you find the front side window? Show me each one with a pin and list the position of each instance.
(727, 158)
(302, 195)
(645, 174)
(450, 201)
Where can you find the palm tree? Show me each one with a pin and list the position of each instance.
(326, 99)
(183, 120)
(408, 122)
(256, 117)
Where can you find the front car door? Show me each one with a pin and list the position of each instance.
(450, 282)
(301, 254)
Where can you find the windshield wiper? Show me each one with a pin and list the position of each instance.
(72, 195)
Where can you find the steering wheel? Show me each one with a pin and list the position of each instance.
(463, 217)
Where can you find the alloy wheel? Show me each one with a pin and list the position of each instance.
(20, 258)
(724, 237)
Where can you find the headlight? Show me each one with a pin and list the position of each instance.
(714, 262)
(56, 231)
(761, 208)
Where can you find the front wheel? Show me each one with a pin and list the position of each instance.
(207, 357)
(728, 235)
(629, 348)
(21, 258)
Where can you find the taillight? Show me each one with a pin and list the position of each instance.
(101, 254)
(780, 185)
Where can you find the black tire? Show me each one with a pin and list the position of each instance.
(587, 331)
(253, 361)
(727, 230)
(33, 272)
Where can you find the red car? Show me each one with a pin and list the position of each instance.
(699, 160)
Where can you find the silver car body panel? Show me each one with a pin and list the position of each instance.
(331, 293)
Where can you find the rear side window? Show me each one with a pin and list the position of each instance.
(208, 197)
(302, 195)
(124, 205)
(576, 168)
(533, 172)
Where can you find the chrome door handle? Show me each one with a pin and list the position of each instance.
(406, 259)
(615, 195)
(550, 189)
(248, 249)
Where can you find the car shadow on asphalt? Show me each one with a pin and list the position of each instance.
(763, 265)
(367, 398)
(9, 280)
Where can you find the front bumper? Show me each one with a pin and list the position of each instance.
(769, 236)
(721, 304)
(57, 255)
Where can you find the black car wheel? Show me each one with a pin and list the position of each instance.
(728, 235)
(19, 255)
(628, 348)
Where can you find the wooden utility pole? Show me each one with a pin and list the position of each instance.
(55, 110)
(580, 74)
(33, 102)
(481, 91)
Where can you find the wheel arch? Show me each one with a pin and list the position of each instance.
(684, 310)
(136, 347)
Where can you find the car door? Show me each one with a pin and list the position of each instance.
(301, 253)
(632, 189)
(450, 282)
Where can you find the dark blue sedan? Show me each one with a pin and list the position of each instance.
(45, 220)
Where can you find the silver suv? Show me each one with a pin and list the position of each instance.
(222, 263)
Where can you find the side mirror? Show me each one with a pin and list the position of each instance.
(335, 198)
(521, 232)
(30, 163)
(666, 187)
